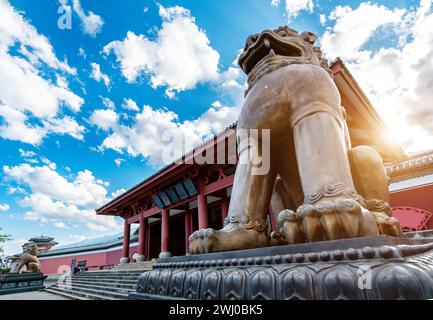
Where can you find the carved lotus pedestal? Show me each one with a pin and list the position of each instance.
(368, 268)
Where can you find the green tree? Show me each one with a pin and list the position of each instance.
(3, 239)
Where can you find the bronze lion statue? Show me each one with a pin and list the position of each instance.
(324, 188)
(29, 259)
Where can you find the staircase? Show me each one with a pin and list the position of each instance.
(114, 284)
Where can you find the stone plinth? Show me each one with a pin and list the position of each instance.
(21, 282)
(368, 268)
(124, 260)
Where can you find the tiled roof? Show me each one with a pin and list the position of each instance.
(41, 238)
(99, 243)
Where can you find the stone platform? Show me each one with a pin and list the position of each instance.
(21, 282)
(367, 268)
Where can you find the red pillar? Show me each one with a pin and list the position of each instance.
(224, 208)
(126, 235)
(148, 240)
(142, 239)
(202, 211)
(188, 229)
(165, 234)
(202, 206)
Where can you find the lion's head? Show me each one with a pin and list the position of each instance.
(271, 49)
(31, 249)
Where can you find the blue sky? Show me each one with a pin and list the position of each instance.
(83, 110)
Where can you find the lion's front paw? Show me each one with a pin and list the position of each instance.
(202, 241)
(389, 226)
(289, 231)
(335, 219)
(233, 237)
(382, 213)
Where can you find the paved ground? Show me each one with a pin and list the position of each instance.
(32, 295)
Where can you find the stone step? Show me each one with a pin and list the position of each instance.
(119, 272)
(125, 272)
(108, 289)
(102, 280)
(129, 285)
(78, 295)
(118, 277)
(63, 293)
(92, 292)
(133, 266)
(100, 284)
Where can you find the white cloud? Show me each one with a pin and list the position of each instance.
(14, 28)
(84, 190)
(60, 225)
(98, 75)
(14, 246)
(60, 200)
(65, 126)
(45, 210)
(322, 19)
(16, 127)
(82, 53)
(397, 78)
(107, 102)
(26, 154)
(77, 238)
(105, 119)
(130, 104)
(145, 135)
(352, 30)
(13, 190)
(145, 9)
(294, 7)
(4, 207)
(118, 161)
(49, 163)
(179, 58)
(38, 97)
(117, 193)
(232, 83)
(90, 22)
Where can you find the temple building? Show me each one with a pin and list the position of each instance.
(44, 243)
(185, 196)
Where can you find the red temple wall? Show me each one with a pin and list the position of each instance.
(54, 265)
(419, 197)
(57, 265)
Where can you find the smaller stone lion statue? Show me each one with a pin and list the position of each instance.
(29, 259)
